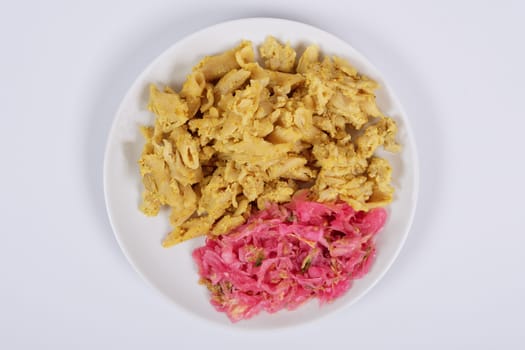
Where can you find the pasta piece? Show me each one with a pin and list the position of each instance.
(301, 173)
(170, 109)
(245, 54)
(276, 192)
(194, 85)
(308, 58)
(280, 83)
(226, 224)
(243, 208)
(252, 187)
(319, 92)
(185, 207)
(344, 66)
(187, 147)
(178, 170)
(192, 91)
(285, 165)
(214, 67)
(192, 228)
(302, 118)
(381, 133)
(208, 98)
(231, 81)
(276, 56)
(284, 135)
(283, 83)
(340, 104)
(217, 195)
(380, 172)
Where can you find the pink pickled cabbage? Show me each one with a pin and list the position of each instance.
(285, 255)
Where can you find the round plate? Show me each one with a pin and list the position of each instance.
(172, 270)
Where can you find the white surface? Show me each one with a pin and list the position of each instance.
(172, 271)
(456, 66)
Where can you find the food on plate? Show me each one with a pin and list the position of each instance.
(240, 135)
(276, 163)
(288, 254)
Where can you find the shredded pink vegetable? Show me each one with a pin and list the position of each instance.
(285, 255)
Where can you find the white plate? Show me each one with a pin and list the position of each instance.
(172, 271)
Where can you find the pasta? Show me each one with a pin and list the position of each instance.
(239, 135)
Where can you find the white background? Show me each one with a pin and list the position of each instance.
(458, 68)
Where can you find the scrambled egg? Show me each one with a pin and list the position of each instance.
(240, 135)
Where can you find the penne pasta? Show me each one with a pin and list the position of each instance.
(239, 135)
